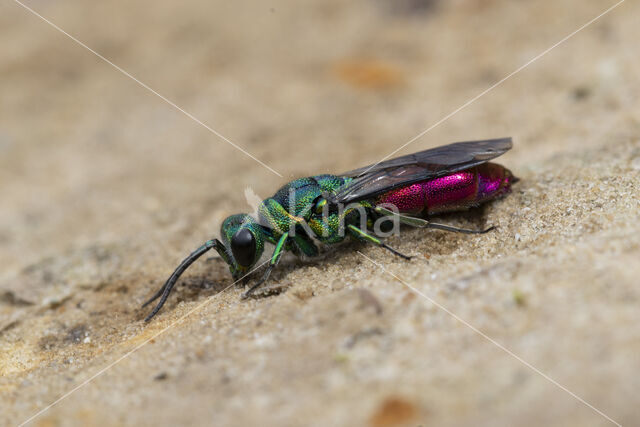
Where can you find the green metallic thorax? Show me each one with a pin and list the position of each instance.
(295, 205)
(295, 201)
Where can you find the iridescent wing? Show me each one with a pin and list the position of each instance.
(376, 179)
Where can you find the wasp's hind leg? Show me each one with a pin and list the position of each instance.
(362, 235)
(459, 230)
(423, 223)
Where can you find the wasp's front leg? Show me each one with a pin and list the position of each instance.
(275, 258)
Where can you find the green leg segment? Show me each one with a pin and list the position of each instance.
(361, 235)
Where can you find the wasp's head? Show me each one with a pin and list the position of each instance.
(241, 247)
(244, 239)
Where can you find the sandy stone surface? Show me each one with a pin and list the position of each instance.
(105, 188)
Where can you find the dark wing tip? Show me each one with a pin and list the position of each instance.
(502, 144)
(486, 149)
(496, 144)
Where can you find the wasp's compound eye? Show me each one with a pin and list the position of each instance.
(243, 246)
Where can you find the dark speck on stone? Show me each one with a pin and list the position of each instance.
(161, 376)
(77, 334)
(581, 93)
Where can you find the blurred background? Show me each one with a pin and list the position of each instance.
(105, 186)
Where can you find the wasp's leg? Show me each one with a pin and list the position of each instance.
(165, 290)
(275, 258)
(301, 244)
(459, 230)
(423, 223)
(361, 235)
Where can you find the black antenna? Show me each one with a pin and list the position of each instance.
(165, 290)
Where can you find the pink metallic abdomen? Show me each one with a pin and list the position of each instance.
(457, 191)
